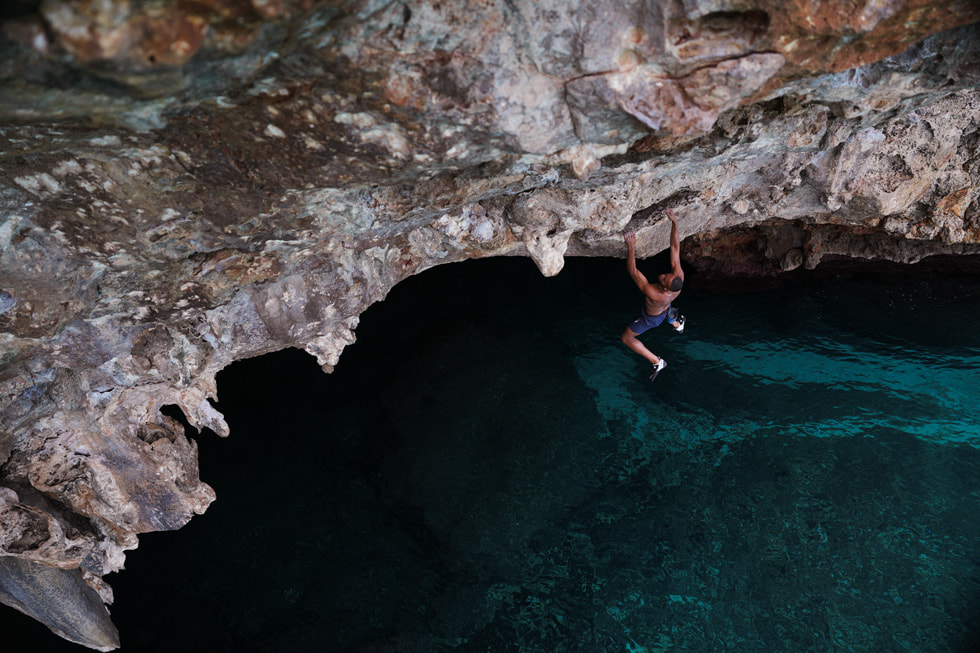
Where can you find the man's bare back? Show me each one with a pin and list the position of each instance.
(657, 298)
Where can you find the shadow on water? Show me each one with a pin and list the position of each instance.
(489, 470)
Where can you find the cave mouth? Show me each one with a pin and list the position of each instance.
(489, 469)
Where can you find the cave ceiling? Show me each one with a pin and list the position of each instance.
(186, 184)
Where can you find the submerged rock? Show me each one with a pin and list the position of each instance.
(189, 184)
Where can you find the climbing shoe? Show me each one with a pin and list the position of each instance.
(656, 369)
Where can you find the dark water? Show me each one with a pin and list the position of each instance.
(489, 470)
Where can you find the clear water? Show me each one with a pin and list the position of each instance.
(490, 470)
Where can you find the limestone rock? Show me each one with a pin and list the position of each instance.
(186, 184)
(59, 598)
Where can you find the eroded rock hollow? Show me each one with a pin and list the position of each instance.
(185, 184)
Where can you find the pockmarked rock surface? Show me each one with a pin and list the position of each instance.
(186, 184)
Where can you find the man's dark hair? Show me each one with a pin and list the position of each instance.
(676, 284)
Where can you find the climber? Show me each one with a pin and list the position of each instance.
(657, 297)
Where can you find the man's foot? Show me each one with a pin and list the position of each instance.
(661, 364)
(680, 324)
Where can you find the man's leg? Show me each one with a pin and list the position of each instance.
(630, 340)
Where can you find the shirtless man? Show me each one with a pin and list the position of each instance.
(656, 297)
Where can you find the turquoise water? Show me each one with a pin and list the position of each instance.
(489, 469)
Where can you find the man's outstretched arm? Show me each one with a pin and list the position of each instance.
(675, 246)
(637, 276)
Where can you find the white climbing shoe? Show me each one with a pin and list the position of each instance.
(656, 369)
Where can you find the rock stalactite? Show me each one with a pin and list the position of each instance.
(186, 184)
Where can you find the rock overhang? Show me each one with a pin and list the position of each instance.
(188, 184)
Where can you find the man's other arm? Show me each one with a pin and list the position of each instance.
(675, 246)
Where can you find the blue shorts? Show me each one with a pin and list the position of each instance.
(645, 321)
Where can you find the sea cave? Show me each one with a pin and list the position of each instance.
(310, 319)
